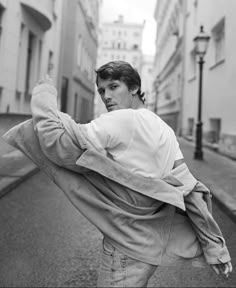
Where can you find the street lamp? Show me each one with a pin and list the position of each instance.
(201, 44)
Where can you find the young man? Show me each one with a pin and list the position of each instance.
(139, 180)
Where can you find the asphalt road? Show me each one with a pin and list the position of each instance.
(46, 242)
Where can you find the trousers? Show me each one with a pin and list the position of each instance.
(119, 270)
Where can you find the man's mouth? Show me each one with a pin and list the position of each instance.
(110, 105)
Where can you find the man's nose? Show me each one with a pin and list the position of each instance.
(107, 95)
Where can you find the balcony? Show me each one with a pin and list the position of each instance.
(3, 3)
(41, 11)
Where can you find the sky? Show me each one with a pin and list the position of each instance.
(135, 11)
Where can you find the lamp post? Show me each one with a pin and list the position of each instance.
(201, 42)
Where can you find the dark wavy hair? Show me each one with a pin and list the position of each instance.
(123, 71)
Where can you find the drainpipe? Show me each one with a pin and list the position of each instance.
(180, 124)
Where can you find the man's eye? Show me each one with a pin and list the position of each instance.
(101, 92)
(113, 87)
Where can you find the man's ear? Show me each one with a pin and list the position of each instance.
(134, 91)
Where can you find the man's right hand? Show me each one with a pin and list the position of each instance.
(222, 269)
(46, 80)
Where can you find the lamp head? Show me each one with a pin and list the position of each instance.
(201, 42)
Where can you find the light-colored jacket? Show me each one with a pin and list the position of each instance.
(143, 218)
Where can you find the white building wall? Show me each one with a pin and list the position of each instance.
(219, 85)
(17, 22)
(78, 59)
(168, 66)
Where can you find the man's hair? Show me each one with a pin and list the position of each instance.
(122, 71)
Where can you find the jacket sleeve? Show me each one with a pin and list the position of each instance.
(198, 206)
(54, 140)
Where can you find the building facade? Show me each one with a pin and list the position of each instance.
(29, 48)
(219, 85)
(147, 81)
(219, 70)
(119, 40)
(55, 37)
(122, 41)
(168, 63)
(79, 43)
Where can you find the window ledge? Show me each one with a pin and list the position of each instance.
(191, 79)
(216, 64)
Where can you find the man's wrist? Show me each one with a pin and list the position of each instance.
(44, 87)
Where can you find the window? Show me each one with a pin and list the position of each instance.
(64, 93)
(50, 62)
(1, 13)
(192, 65)
(84, 110)
(167, 95)
(79, 50)
(218, 37)
(29, 64)
(190, 126)
(20, 59)
(17, 95)
(40, 45)
(135, 46)
(215, 127)
(179, 86)
(75, 106)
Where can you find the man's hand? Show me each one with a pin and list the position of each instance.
(46, 80)
(222, 269)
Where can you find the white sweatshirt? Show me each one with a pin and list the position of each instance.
(137, 139)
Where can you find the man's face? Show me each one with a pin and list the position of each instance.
(114, 94)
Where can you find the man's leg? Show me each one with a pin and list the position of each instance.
(119, 270)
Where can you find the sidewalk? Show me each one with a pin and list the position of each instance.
(217, 172)
(14, 169)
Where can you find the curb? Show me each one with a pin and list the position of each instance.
(8, 183)
(225, 201)
(209, 148)
(229, 211)
(222, 199)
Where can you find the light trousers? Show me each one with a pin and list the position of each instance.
(119, 270)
